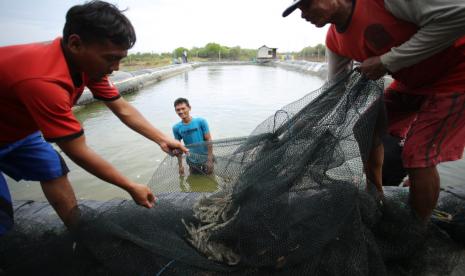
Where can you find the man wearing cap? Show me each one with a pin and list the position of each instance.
(422, 45)
(39, 84)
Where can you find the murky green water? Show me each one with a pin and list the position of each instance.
(233, 99)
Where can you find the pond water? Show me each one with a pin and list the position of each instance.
(233, 99)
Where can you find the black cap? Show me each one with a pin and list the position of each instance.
(292, 7)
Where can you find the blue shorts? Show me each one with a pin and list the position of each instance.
(30, 158)
(6, 208)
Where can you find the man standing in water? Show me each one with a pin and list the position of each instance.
(422, 45)
(193, 131)
(39, 84)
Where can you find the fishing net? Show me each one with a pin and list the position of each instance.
(288, 198)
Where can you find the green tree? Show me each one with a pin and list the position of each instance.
(212, 50)
(179, 51)
(235, 53)
(224, 52)
(315, 52)
(195, 51)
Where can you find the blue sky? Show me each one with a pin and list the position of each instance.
(163, 25)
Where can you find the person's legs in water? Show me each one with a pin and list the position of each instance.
(198, 165)
(197, 169)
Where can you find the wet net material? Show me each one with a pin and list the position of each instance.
(288, 199)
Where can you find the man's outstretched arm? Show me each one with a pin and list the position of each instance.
(78, 151)
(131, 117)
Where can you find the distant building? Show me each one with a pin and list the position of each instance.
(266, 54)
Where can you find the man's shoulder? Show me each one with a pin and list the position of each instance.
(34, 61)
(199, 120)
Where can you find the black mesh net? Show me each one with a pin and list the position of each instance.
(289, 198)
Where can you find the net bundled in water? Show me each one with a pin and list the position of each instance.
(289, 198)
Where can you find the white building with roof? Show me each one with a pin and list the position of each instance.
(266, 53)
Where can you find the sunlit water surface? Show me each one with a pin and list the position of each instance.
(233, 99)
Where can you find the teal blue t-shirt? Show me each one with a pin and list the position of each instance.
(193, 133)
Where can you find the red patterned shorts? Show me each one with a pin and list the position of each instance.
(433, 126)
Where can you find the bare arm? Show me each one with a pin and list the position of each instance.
(82, 155)
(440, 24)
(134, 120)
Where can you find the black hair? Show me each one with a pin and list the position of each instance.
(96, 21)
(181, 101)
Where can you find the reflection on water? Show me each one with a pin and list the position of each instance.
(233, 99)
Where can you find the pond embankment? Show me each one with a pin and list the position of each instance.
(128, 82)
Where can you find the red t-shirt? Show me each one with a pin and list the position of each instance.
(37, 92)
(373, 31)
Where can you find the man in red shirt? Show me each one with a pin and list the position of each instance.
(40, 83)
(422, 45)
